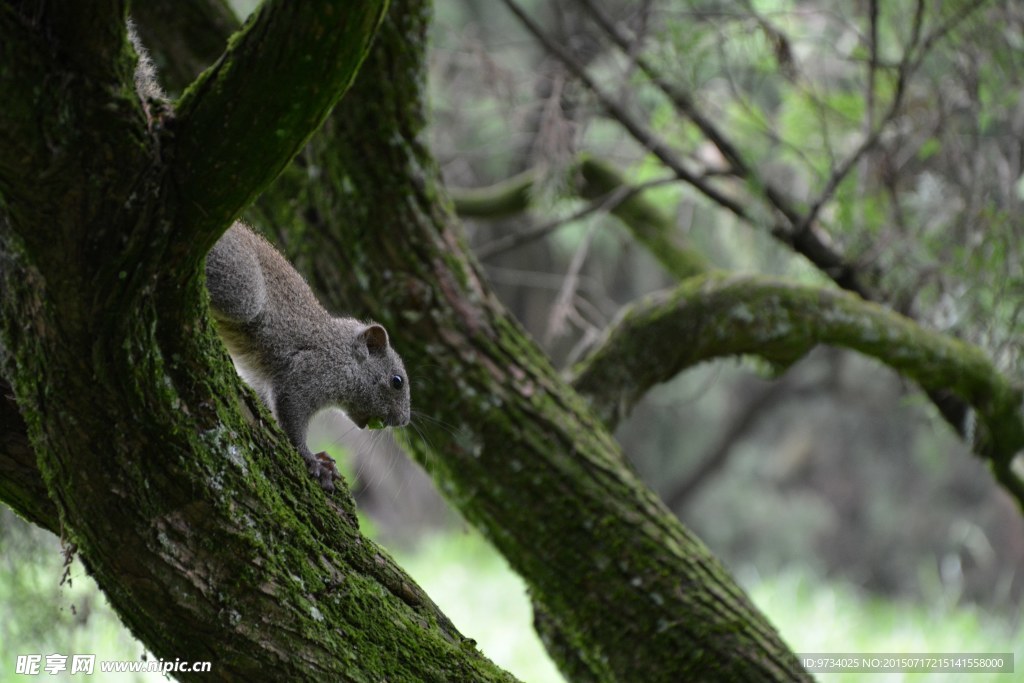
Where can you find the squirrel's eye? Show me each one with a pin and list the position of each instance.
(397, 382)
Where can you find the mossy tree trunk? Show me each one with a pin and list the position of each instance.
(623, 591)
(137, 435)
(145, 439)
(194, 515)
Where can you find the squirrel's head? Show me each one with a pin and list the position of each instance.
(382, 397)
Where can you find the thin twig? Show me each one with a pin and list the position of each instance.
(805, 241)
(641, 133)
(907, 66)
(607, 202)
(563, 305)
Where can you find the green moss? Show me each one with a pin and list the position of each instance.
(719, 316)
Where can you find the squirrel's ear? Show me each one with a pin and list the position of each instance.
(375, 337)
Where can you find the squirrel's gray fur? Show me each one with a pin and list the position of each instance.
(298, 357)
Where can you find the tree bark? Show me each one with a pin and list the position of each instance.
(189, 508)
(625, 591)
(718, 315)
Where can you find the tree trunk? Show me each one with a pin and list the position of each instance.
(191, 511)
(623, 590)
(146, 440)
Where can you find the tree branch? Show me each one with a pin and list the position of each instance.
(53, 70)
(717, 316)
(636, 595)
(245, 118)
(146, 440)
(163, 26)
(507, 197)
(607, 190)
(685, 106)
(641, 133)
(806, 242)
(800, 231)
(650, 226)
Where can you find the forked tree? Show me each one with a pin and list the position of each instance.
(131, 436)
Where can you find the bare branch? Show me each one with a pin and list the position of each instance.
(608, 203)
(914, 54)
(806, 242)
(608, 190)
(502, 199)
(746, 418)
(684, 104)
(640, 132)
(563, 308)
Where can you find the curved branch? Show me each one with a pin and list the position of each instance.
(652, 227)
(508, 197)
(719, 316)
(800, 232)
(246, 117)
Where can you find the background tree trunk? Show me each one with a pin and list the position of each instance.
(510, 444)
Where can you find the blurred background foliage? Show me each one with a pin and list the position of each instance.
(838, 465)
(856, 517)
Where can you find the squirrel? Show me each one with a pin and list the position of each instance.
(296, 356)
(293, 353)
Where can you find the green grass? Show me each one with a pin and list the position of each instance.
(485, 600)
(488, 603)
(836, 618)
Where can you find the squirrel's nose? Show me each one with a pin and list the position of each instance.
(399, 419)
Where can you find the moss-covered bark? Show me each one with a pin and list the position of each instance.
(719, 315)
(146, 441)
(21, 484)
(626, 593)
(194, 515)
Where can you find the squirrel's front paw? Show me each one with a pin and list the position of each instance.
(323, 469)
